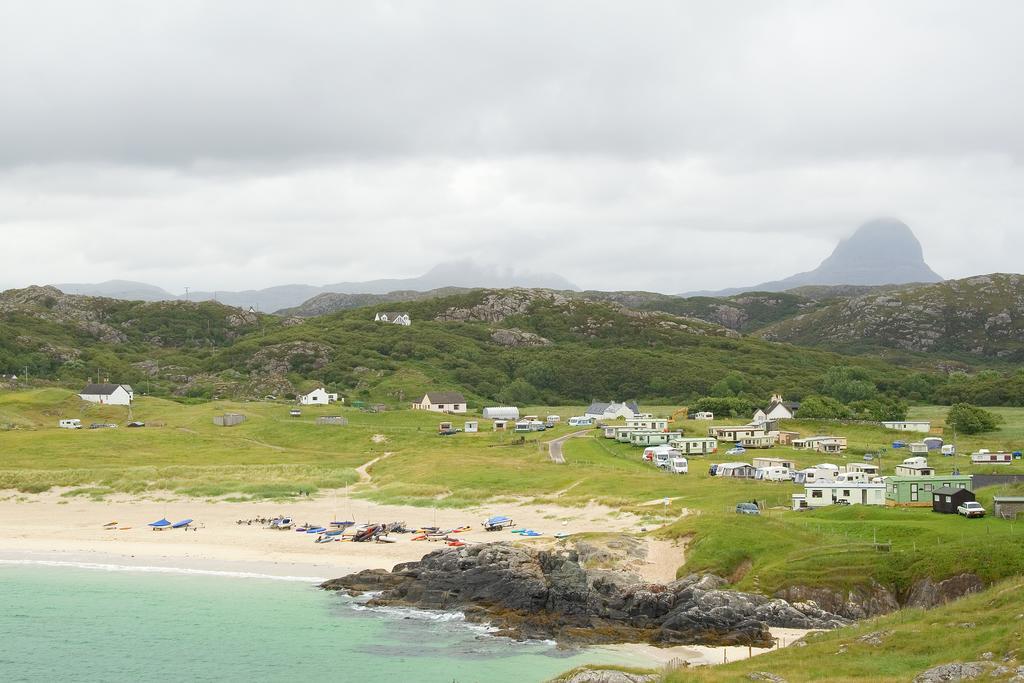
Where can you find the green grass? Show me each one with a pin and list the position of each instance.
(912, 641)
(272, 455)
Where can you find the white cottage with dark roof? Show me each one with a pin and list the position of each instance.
(442, 402)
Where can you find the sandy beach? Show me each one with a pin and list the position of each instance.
(49, 526)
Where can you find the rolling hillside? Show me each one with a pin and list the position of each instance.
(980, 317)
(519, 346)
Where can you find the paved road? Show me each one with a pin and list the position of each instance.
(555, 445)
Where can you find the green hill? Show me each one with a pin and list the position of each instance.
(975, 318)
(516, 346)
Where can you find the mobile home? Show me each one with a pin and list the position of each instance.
(822, 494)
(918, 448)
(695, 445)
(869, 469)
(822, 444)
(764, 441)
(581, 421)
(917, 490)
(909, 426)
(766, 461)
(73, 423)
(735, 434)
(914, 467)
(651, 438)
(772, 473)
(986, 458)
(647, 422)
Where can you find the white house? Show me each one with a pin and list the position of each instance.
(776, 410)
(821, 494)
(442, 402)
(395, 318)
(108, 394)
(909, 425)
(612, 411)
(317, 397)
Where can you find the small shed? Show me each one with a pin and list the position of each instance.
(332, 420)
(471, 426)
(947, 499)
(1008, 507)
(228, 419)
(500, 425)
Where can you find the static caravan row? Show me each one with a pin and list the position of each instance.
(648, 437)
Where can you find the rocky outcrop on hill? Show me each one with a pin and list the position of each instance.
(981, 316)
(514, 337)
(874, 600)
(529, 593)
(496, 306)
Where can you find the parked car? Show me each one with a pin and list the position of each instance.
(747, 509)
(899, 444)
(447, 432)
(737, 450)
(971, 509)
(136, 424)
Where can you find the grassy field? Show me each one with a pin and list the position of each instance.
(273, 455)
(897, 647)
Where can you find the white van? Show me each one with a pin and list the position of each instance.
(581, 421)
(73, 423)
(678, 465)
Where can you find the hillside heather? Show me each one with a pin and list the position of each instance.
(516, 346)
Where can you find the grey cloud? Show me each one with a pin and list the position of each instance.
(179, 83)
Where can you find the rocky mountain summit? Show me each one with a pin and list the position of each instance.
(530, 593)
(883, 251)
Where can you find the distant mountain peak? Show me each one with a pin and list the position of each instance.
(883, 251)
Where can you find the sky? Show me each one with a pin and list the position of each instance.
(667, 146)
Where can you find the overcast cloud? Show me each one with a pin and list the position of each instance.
(668, 146)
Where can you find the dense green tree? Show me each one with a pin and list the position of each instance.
(823, 408)
(968, 419)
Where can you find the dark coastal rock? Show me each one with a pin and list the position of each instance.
(528, 593)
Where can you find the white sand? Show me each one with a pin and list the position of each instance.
(700, 655)
(46, 524)
(49, 528)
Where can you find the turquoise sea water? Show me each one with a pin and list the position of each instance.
(73, 624)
